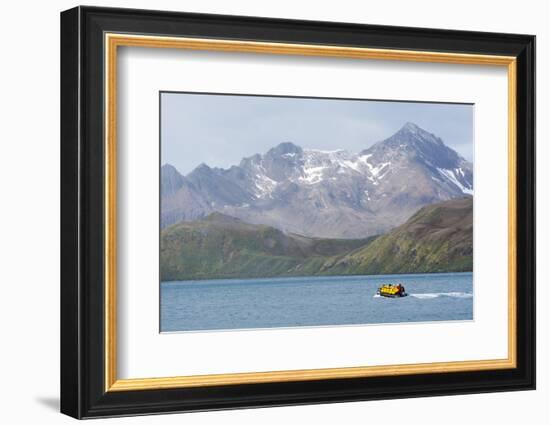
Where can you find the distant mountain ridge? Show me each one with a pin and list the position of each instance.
(330, 194)
(438, 238)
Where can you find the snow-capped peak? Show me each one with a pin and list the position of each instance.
(374, 189)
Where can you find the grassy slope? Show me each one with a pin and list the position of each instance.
(221, 246)
(437, 238)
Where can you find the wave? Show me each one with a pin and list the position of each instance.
(443, 294)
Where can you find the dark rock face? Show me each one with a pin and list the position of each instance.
(334, 194)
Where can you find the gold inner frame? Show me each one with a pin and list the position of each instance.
(113, 41)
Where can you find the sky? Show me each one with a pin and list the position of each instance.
(219, 130)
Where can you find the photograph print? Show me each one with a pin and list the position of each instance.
(281, 212)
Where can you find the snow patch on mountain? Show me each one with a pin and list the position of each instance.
(264, 186)
(320, 165)
(312, 175)
(379, 168)
(328, 193)
(450, 175)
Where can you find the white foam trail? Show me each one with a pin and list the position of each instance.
(443, 294)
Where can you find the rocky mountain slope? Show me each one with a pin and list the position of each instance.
(331, 194)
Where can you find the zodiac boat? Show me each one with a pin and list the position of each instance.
(392, 291)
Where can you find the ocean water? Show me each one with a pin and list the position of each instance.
(312, 301)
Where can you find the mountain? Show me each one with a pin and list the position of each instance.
(219, 246)
(438, 238)
(180, 199)
(330, 194)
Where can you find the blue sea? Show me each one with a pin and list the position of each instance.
(223, 304)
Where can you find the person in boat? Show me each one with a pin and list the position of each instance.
(396, 290)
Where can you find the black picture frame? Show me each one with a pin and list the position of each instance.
(83, 392)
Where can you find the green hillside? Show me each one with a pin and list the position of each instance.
(438, 238)
(223, 247)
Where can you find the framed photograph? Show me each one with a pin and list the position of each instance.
(261, 212)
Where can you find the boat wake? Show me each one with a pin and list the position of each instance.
(443, 294)
(429, 296)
